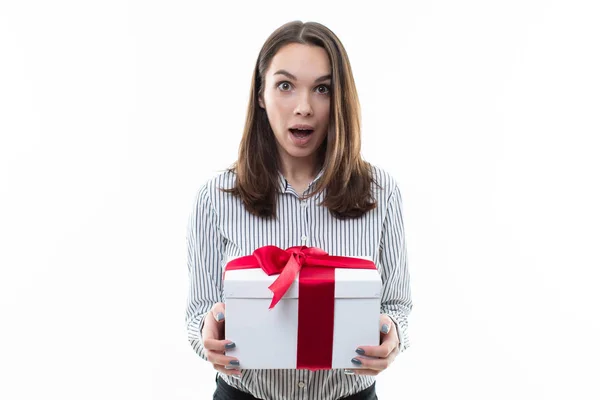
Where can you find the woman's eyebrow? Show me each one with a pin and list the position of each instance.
(284, 72)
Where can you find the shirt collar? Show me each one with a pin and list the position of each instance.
(283, 183)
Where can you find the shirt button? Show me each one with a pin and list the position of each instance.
(304, 237)
(300, 384)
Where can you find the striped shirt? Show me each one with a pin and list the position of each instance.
(219, 226)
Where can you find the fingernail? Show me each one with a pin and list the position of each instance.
(356, 361)
(230, 345)
(385, 328)
(348, 372)
(234, 362)
(360, 351)
(220, 316)
(230, 367)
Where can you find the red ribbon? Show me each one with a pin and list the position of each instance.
(316, 297)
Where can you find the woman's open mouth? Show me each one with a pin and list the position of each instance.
(301, 133)
(301, 137)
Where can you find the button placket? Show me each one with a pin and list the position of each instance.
(304, 218)
(302, 384)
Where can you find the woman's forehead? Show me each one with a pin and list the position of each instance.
(300, 62)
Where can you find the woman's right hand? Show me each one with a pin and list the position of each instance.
(213, 335)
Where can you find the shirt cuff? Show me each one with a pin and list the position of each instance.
(402, 333)
(195, 335)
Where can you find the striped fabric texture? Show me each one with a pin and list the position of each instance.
(219, 226)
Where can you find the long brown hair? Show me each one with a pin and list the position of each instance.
(346, 176)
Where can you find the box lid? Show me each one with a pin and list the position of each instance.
(254, 283)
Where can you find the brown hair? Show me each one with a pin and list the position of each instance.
(346, 176)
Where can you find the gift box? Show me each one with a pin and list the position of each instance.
(300, 308)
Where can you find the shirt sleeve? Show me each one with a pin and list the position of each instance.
(396, 299)
(205, 249)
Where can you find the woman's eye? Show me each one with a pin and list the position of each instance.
(324, 86)
(280, 85)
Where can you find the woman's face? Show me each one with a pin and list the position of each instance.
(297, 92)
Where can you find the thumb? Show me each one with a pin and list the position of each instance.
(218, 312)
(385, 323)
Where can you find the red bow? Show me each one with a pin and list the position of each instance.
(288, 263)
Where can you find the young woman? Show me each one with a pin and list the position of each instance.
(299, 180)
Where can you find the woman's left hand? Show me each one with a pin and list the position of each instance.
(386, 352)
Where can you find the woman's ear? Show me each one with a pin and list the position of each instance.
(260, 102)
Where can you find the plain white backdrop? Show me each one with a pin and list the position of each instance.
(113, 113)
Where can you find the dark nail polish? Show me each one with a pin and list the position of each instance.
(385, 328)
(234, 362)
(230, 345)
(360, 351)
(220, 316)
(356, 361)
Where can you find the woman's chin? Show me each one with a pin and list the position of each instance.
(299, 154)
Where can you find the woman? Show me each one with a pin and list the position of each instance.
(299, 180)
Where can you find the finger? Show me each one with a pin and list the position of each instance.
(368, 372)
(221, 359)
(230, 372)
(218, 345)
(393, 355)
(385, 324)
(214, 328)
(390, 340)
(218, 312)
(378, 364)
(389, 344)
(381, 351)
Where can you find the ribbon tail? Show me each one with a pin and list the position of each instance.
(276, 297)
(283, 282)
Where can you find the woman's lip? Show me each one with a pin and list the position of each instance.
(301, 130)
(302, 126)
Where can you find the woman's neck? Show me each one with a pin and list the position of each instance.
(298, 171)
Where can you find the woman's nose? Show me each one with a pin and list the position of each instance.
(303, 107)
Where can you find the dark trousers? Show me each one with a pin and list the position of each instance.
(226, 392)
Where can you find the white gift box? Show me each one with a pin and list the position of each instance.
(267, 338)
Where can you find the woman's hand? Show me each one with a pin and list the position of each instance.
(213, 335)
(386, 351)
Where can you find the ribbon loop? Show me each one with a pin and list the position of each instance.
(287, 263)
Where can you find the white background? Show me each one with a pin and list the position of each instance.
(113, 113)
